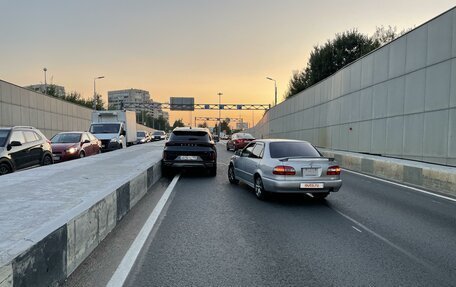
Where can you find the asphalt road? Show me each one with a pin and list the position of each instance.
(370, 233)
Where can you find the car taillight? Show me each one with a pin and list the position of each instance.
(284, 170)
(212, 155)
(333, 170)
(164, 155)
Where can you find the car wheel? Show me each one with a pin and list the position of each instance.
(47, 160)
(260, 193)
(320, 196)
(4, 168)
(231, 175)
(213, 171)
(82, 154)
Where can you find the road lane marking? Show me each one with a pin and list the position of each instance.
(402, 185)
(391, 244)
(125, 266)
(356, 229)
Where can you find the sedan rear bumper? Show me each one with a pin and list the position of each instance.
(272, 185)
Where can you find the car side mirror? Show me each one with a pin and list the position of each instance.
(238, 152)
(86, 141)
(13, 143)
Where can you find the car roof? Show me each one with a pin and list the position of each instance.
(280, 140)
(75, 132)
(191, 129)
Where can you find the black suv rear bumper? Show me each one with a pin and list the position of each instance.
(188, 164)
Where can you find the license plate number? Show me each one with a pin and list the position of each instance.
(311, 185)
(310, 171)
(188, 157)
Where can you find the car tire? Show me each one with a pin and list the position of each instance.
(47, 160)
(320, 196)
(5, 168)
(213, 171)
(260, 193)
(81, 154)
(231, 175)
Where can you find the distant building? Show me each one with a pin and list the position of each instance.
(40, 88)
(242, 126)
(115, 99)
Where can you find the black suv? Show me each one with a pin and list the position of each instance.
(21, 147)
(190, 147)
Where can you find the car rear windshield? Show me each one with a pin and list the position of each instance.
(200, 136)
(104, 128)
(159, 133)
(140, 134)
(66, 138)
(3, 137)
(292, 149)
(245, 136)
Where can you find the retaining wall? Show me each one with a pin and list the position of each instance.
(399, 101)
(53, 217)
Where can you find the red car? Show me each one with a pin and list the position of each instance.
(239, 141)
(70, 145)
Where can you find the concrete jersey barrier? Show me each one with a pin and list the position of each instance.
(53, 217)
(438, 178)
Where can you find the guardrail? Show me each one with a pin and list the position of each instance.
(53, 217)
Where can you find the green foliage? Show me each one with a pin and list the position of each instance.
(327, 59)
(225, 127)
(203, 125)
(178, 123)
(75, 97)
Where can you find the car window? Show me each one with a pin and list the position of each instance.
(141, 134)
(104, 128)
(91, 137)
(29, 136)
(66, 138)
(17, 136)
(186, 135)
(248, 150)
(3, 136)
(257, 151)
(292, 149)
(38, 136)
(84, 137)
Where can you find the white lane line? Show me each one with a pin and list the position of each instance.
(356, 229)
(391, 244)
(402, 185)
(125, 266)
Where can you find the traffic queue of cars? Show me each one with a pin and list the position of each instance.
(266, 165)
(23, 147)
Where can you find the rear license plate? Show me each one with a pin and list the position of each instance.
(188, 157)
(311, 171)
(311, 185)
(103, 146)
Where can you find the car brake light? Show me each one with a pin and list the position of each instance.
(284, 170)
(333, 170)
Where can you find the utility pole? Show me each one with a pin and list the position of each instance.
(275, 90)
(219, 117)
(45, 82)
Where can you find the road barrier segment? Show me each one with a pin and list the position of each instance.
(53, 217)
(438, 178)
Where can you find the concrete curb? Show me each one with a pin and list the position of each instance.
(440, 179)
(51, 260)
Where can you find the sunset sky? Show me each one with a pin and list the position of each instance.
(184, 48)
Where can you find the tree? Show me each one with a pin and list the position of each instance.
(178, 123)
(225, 127)
(327, 59)
(203, 125)
(99, 102)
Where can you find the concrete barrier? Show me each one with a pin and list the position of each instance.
(53, 217)
(438, 178)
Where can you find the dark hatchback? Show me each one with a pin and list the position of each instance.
(22, 147)
(190, 148)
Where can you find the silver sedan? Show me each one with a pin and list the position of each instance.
(284, 166)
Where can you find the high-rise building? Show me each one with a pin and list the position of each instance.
(115, 98)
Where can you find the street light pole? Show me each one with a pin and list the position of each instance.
(95, 92)
(275, 90)
(45, 82)
(219, 119)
